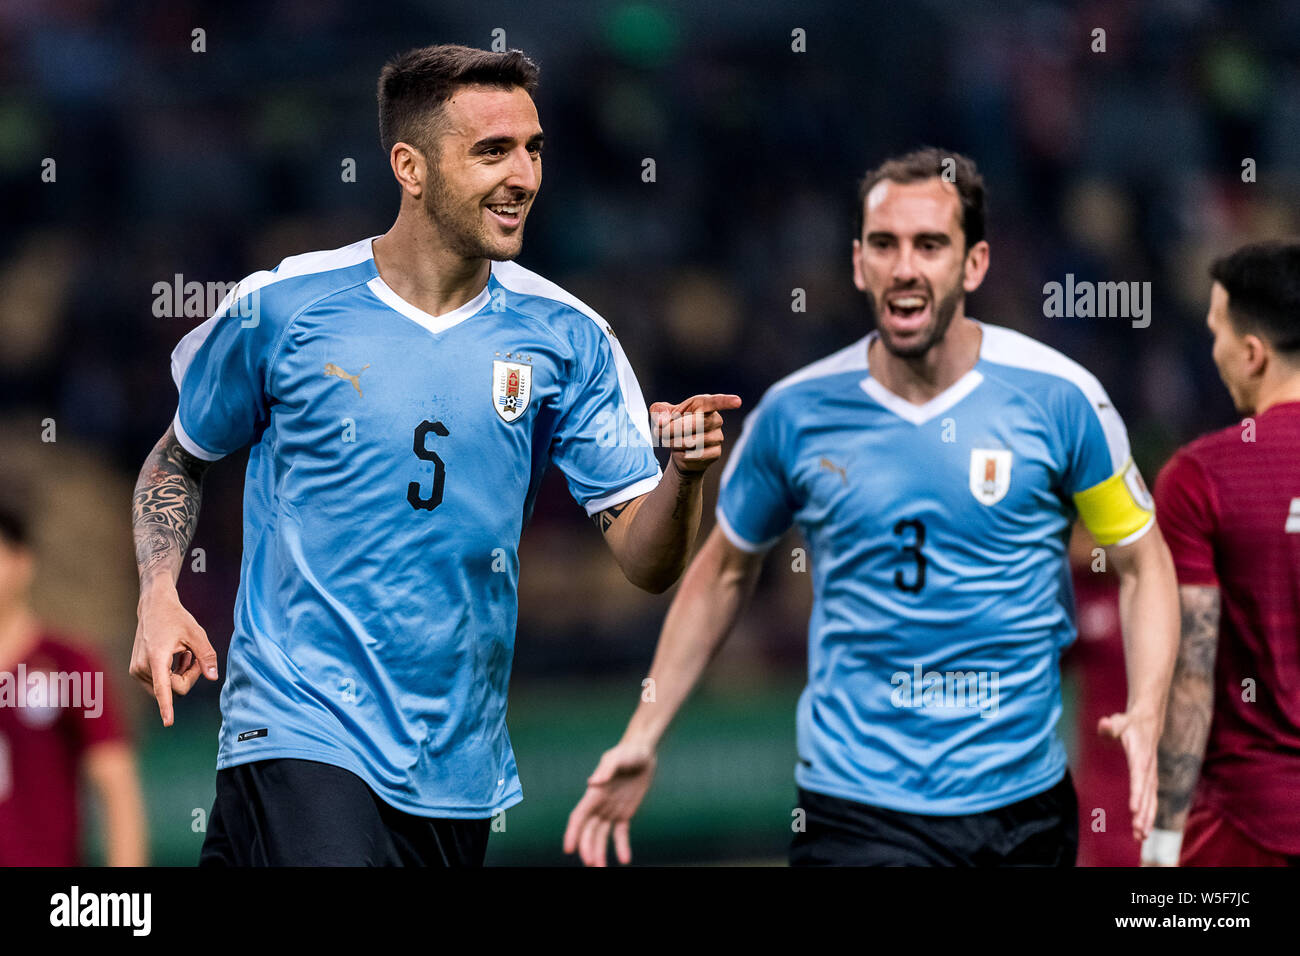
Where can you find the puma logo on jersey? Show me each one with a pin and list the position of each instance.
(829, 465)
(332, 369)
(1293, 517)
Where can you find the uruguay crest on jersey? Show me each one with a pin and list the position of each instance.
(990, 474)
(512, 387)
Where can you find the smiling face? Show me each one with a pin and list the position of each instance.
(912, 263)
(486, 171)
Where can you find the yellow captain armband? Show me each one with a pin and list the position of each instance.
(1118, 507)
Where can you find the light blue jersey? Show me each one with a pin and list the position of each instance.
(937, 537)
(395, 458)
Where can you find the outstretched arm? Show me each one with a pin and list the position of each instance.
(170, 648)
(716, 587)
(1187, 721)
(1148, 608)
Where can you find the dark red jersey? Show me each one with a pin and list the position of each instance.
(1229, 506)
(54, 705)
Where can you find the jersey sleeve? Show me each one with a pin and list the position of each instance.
(1186, 503)
(1100, 474)
(220, 369)
(755, 505)
(602, 439)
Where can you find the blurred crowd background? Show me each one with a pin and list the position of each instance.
(1123, 165)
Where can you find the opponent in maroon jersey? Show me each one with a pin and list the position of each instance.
(1229, 504)
(56, 721)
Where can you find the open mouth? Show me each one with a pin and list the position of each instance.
(907, 311)
(508, 215)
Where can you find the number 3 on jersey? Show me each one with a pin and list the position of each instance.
(911, 550)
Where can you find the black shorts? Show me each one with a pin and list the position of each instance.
(302, 813)
(1042, 830)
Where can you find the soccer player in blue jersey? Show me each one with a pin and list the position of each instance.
(935, 468)
(402, 397)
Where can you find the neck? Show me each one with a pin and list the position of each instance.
(19, 632)
(1278, 391)
(417, 264)
(922, 378)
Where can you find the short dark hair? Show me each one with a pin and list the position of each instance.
(929, 163)
(415, 86)
(1263, 284)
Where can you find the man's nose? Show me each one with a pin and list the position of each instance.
(523, 172)
(904, 264)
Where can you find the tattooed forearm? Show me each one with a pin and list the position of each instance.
(604, 519)
(165, 509)
(1191, 706)
(685, 491)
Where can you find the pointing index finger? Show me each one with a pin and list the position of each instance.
(707, 403)
(162, 690)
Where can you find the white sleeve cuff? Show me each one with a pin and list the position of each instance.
(635, 490)
(189, 444)
(744, 544)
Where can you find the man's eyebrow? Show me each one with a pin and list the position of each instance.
(505, 141)
(941, 237)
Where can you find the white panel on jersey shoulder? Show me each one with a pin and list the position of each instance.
(1003, 346)
(307, 263)
(851, 358)
(518, 279)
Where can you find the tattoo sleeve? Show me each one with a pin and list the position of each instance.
(165, 508)
(1191, 706)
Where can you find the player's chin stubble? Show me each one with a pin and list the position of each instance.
(943, 314)
(463, 228)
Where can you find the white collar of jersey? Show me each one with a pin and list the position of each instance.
(434, 323)
(920, 414)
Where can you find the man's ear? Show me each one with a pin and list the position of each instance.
(410, 167)
(1255, 355)
(859, 279)
(976, 266)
